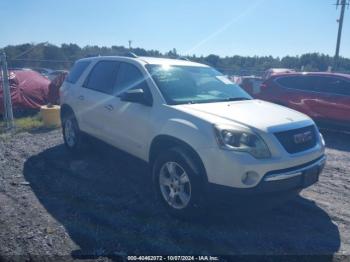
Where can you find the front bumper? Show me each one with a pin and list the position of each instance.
(228, 168)
(290, 179)
(293, 178)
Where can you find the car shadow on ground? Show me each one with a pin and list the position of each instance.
(104, 199)
(336, 139)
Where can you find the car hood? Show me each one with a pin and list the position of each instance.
(255, 114)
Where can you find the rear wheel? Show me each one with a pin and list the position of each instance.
(72, 136)
(177, 183)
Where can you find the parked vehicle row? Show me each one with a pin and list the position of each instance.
(199, 132)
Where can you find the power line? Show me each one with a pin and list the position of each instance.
(43, 60)
(30, 49)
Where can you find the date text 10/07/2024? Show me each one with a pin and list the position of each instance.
(172, 258)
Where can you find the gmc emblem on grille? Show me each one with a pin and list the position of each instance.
(303, 137)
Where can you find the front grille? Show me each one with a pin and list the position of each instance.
(298, 140)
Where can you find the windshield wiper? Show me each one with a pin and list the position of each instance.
(237, 98)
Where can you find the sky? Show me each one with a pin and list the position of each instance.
(201, 27)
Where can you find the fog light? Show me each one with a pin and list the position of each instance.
(250, 178)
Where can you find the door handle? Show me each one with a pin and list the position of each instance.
(109, 107)
(81, 98)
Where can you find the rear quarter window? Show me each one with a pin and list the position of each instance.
(294, 82)
(335, 86)
(77, 71)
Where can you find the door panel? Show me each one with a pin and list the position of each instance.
(129, 126)
(97, 93)
(298, 94)
(129, 123)
(334, 97)
(93, 113)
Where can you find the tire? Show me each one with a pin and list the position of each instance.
(72, 136)
(178, 184)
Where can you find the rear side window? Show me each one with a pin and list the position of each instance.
(129, 77)
(333, 85)
(103, 77)
(341, 87)
(77, 71)
(295, 82)
(320, 84)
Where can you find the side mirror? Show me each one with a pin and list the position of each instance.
(136, 96)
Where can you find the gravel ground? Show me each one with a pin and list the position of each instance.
(54, 204)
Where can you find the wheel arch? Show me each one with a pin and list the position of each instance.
(66, 109)
(163, 142)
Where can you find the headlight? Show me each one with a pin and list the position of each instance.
(241, 141)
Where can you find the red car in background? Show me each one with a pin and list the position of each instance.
(323, 96)
(30, 90)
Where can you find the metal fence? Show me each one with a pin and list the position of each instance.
(8, 113)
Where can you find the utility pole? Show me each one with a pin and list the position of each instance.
(342, 3)
(8, 113)
(130, 41)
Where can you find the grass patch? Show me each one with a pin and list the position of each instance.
(29, 123)
(23, 124)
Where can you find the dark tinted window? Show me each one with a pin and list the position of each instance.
(77, 71)
(342, 87)
(103, 77)
(295, 82)
(129, 76)
(332, 85)
(323, 84)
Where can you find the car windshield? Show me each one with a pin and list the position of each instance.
(194, 84)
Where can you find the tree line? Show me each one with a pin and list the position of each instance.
(63, 56)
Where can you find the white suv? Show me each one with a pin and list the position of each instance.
(196, 129)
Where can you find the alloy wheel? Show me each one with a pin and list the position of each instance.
(69, 133)
(175, 185)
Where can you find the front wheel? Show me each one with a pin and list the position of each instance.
(177, 183)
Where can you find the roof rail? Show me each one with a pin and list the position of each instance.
(183, 58)
(131, 54)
